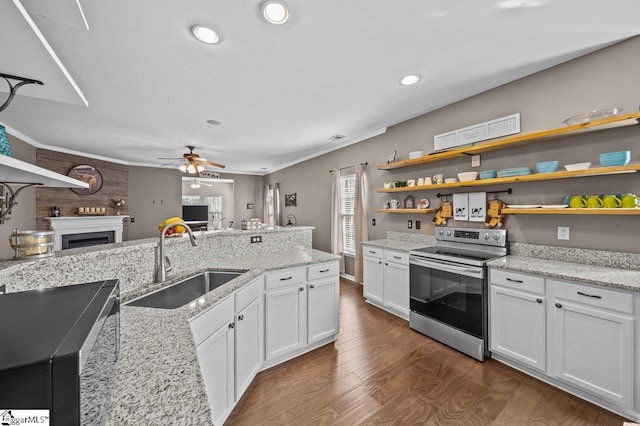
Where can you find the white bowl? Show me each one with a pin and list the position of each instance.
(415, 154)
(577, 166)
(467, 176)
(450, 180)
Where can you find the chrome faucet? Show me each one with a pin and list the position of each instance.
(162, 269)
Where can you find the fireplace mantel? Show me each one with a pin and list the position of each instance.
(81, 224)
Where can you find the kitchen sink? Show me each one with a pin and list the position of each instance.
(185, 291)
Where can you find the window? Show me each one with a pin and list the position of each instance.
(347, 211)
(270, 213)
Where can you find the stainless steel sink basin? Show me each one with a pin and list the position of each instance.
(185, 291)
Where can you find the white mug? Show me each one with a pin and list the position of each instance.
(395, 203)
(387, 185)
(420, 181)
(427, 180)
(411, 182)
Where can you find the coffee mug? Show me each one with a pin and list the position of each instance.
(577, 202)
(427, 181)
(411, 182)
(629, 201)
(594, 202)
(610, 201)
(439, 178)
(386, 205)
(420, 181)
(387, 185)
(565, 199)
(395, 203)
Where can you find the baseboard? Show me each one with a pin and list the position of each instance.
(348, 277)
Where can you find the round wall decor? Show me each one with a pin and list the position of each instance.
(88, 174)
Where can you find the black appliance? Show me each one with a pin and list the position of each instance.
(448, 287)
(195, 213)
(58, 349)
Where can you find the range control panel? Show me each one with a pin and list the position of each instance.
(488, 237)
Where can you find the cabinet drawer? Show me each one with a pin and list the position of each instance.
(249, 293)
(323, 271)
(593, 296)
(285, 278)
(517, 281)
(208, 321)
(375, 252)
(396, 257)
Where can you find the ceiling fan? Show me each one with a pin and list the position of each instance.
(193, 163)
(197, 183)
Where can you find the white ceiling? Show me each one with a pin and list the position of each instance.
(136, 85)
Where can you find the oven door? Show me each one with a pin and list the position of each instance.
(449, 292)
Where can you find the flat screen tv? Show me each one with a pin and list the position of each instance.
(195, 213)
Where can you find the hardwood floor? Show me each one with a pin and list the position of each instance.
(379, 371)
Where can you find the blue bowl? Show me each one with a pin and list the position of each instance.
(488, 174)
(619, 158)
(547, 166)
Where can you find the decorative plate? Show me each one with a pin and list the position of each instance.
(554, 206)
(87, 174)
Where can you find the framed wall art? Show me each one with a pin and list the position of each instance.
(290, 200)
(87, 174)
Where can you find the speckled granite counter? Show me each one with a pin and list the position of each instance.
(398, 241)
(626, 279)
(157, 375)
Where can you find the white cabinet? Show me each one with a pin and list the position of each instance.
(592, 344)
(286, 320)
(517, 319)
(386, 280)
(229, 347)
(301, 310)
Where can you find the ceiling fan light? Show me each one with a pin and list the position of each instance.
(191, 169)
(183, 168)
(195, 184)
(200, 168)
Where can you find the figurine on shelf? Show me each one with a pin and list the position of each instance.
(494, 214)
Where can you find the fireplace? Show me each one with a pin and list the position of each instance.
(83, 231)
(87, 239)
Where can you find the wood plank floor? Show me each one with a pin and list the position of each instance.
(380, 372)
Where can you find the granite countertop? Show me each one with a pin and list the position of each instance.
(157, 373)
(626, 279)
(396, 244)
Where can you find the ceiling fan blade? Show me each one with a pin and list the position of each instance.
(205, 184)
(171, 163)
(210, 163)
(170, 158)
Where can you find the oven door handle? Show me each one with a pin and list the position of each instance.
(448, 267)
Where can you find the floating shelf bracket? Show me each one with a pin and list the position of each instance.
(14, 87)
(8, 199)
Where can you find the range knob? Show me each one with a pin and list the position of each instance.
(448, 233)
(496, 237)
(441, 232)
(486, 236)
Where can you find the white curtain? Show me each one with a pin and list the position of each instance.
(277, 205)
(336, 219)
(266, 205)
(362, 231)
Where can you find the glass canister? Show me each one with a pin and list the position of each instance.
(31, 244)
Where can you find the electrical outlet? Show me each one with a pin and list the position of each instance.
(256, 239)
(410, 224)
(133, 219)
(373, 222)
(475, 160)
(417, 224)
(563, 232)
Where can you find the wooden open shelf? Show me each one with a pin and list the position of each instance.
(521, 139)
(407, 211)
(584, 211)
(598, 171)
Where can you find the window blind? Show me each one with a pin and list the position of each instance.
(347, 211)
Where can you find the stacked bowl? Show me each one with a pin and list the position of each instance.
(547, 166)
(618, 158)
(488, 174)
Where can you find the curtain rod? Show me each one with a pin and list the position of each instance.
(348, 167)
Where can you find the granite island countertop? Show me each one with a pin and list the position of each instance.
(157, 373)
(606, 276)
(398, 245)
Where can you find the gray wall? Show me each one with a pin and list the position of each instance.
(604, 79)
(23, 215)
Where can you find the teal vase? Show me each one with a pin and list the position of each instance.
(5, 146)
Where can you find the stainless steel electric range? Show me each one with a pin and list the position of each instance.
(448, 287)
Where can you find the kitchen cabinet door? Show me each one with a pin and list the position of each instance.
(373, 280)
(286, 320)
(216, 358)
(323, 306)
(249, 341)
(593, 349)
(517, 326)
(396, 288)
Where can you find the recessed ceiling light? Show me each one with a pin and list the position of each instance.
(276, 12)
(205, 34)
(213, 122)
(410, 79)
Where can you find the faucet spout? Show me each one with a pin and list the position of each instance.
(162, 268)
